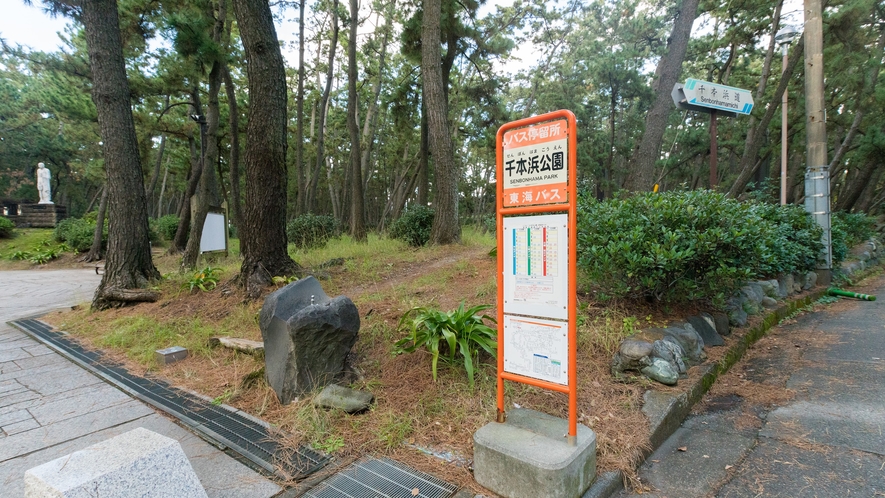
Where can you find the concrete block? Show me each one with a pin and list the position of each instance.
(170, 355)
(136, 463)
(529, 456)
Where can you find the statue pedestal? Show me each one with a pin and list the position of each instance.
(38, 215)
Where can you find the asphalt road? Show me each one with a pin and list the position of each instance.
(802, 415)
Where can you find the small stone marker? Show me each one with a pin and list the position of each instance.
(343, 398)
(136, 463)
(170, 355)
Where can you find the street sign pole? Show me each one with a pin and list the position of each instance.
(714, 151)
(713, 99)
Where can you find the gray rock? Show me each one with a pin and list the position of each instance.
(661, 371)
(631, 355)
(769, 288)
(691, 342)
(757, 288)
(865, 256)
(769, 302)
(781, 289)
(785, 285)
(752, 308)
(343, 398)
(306, 337)
(721, 322)
(668, 349)
(737, 317)
(797, 284)
(752, 293)
(706, 331)
(810, 280)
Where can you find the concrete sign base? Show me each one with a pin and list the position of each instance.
(529, 456)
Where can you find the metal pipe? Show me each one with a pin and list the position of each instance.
(832, 291)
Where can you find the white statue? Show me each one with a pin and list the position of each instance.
(43, 177)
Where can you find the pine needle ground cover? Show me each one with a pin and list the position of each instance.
(425, 423)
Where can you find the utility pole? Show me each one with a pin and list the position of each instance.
(817, 176)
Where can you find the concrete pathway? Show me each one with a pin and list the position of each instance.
(828, 441)
(50, 407)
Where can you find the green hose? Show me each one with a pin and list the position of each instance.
(832, 291)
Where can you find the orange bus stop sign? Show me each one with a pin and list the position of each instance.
(536, 178)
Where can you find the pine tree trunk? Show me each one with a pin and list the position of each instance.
(642, 172)
(129, 268)
(446, 228)
(299, 115)
(179, 242)
(207, 192)
(357, 208)
(95, 252)
(324, 104)
(753, 143)
(263, 234)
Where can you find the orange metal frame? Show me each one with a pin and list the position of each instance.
(571, 206)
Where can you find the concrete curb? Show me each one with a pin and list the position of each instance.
(666, 412)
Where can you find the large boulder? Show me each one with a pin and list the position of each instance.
(306, 337)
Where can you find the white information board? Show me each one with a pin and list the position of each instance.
(536, 348)
(213, 238)
(536, 265)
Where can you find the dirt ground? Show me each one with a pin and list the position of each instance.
(423, 423)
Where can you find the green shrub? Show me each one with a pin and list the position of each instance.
(165, 226)
(682, 246)
(413, 226)
(6, 227)
(310, 231)
(77, 233)
(856, 228)
(461, 330)
(794, 245)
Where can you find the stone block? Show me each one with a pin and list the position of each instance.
(170, 355)
(136, 463)
(306, 337)
(529, 456)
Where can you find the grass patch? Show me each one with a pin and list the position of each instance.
(385, 278)
(27, 241)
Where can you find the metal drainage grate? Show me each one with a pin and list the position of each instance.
(247, 437)
(377, 478)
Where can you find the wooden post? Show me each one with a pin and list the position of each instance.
(714, 146)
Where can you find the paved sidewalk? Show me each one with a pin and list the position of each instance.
(828, 441)
(50, 407)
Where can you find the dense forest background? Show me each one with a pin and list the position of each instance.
(361, 127)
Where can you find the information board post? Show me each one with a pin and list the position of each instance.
(536, 174)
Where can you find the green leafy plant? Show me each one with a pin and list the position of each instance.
(310, 231)
(20, 255)
(43, 256)
(6, 228)
(205, 279)
(463, 331)
(413, 227)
